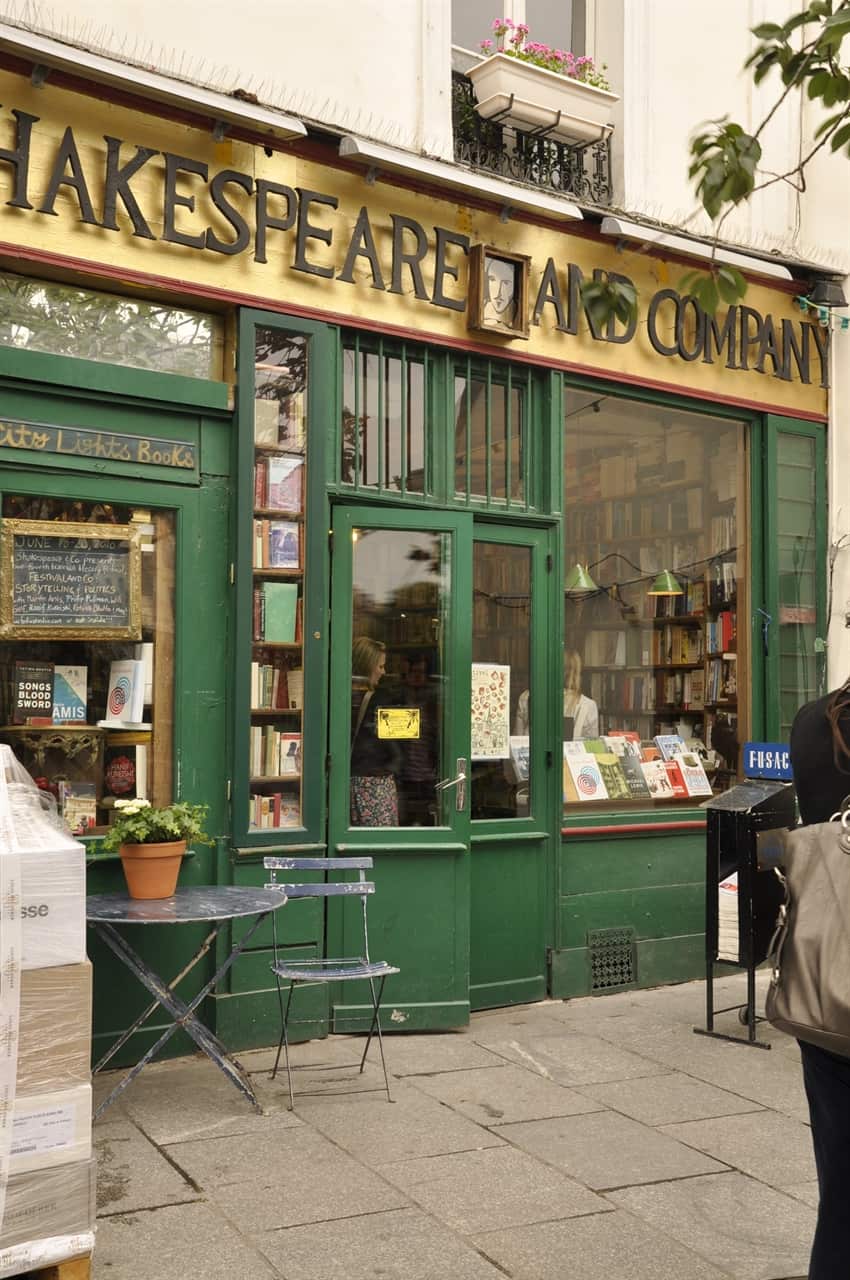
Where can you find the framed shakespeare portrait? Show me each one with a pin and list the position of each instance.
(498, 291)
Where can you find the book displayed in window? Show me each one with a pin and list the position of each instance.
(125, 699)
(69, 694)
(78, 806)
(32, 696)
(274, 747)
(83, 711)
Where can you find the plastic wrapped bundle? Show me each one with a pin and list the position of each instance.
(53, 872)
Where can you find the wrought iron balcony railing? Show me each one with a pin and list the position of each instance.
(582, 172)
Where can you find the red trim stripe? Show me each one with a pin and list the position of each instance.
(628, 828)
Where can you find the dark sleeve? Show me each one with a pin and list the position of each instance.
(820, 784)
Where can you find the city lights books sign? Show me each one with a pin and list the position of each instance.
(70, 580)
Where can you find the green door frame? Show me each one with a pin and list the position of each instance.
(513, 859)
(420, 917)
(775, 427)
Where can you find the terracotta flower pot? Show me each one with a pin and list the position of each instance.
(151, 870)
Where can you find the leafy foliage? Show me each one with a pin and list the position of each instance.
(725, 158)
(710, 288)
(139, 823)
(604, 300)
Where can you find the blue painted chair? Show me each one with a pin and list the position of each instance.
(345, 969)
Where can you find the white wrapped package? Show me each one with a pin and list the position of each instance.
(54, 1036)
(47, 1204)
(53, 885)
(53, 873)
(51, 1129)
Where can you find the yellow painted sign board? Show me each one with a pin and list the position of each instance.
(133, 199)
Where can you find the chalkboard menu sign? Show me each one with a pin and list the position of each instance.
(67, 580)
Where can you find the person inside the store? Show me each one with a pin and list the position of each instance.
(375, 761)
(418, 775)
(581, 714)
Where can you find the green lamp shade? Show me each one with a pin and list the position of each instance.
(578, 579)
(665, 585)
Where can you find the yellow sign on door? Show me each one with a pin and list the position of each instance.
(398, 722)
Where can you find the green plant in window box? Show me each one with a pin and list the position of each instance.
(152, 841)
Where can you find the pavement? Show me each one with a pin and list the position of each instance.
(592, 1139)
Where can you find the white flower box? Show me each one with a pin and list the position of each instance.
(531, 97)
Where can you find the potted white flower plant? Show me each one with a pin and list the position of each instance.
(532, 86)
(152, 842)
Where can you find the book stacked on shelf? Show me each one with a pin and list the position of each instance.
(676, 645)
(274, 754)
(125, 767)
(277, 613)
(723, 583)
(277, 544)
(269, 691)
(271, 812)
(721, 635)
(690, 603)
(125, 698)
(279, 482)
(722, 679)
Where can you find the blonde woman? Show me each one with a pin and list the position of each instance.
(374, 761)
(578, 708)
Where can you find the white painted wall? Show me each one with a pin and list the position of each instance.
(379, 68)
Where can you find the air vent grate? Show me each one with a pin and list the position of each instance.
(613, 959)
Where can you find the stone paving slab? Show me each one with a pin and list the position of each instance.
(402, 1245)
(611, 1246)
(604, 1149)
(771, 1147)
(574, 1059)
(133, 1174)
(189, 1097)
(775, 1083)
(284, 1178)
(502, 1095)
(418, 1055)
(748, 1230)
(192, 1240)
(380, 1132)
(477, 1191)
(659, 1100)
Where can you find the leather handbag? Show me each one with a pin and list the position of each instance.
(809, 955)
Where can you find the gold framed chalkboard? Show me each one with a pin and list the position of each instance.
(69, 581)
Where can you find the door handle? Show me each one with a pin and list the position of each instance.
(459, 781)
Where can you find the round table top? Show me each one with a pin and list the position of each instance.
(198, 902)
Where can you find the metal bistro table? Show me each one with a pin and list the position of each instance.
(211, 903)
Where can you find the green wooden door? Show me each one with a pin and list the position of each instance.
(795, 570)
(463, 868)
(401, 595)
(514, 803)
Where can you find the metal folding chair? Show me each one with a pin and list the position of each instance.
(343, 969)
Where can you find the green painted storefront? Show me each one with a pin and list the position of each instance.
(475, 911)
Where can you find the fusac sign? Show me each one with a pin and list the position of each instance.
(154, 195)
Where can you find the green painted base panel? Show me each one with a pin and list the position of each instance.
(348, 1018)
(500, 995)
(659, 961)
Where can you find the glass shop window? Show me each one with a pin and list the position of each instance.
(655, 588)
(66, 320)
(87, 651)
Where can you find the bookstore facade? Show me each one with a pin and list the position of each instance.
(327, 506)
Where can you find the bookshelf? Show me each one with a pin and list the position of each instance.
(277, 568)
(658, 665)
